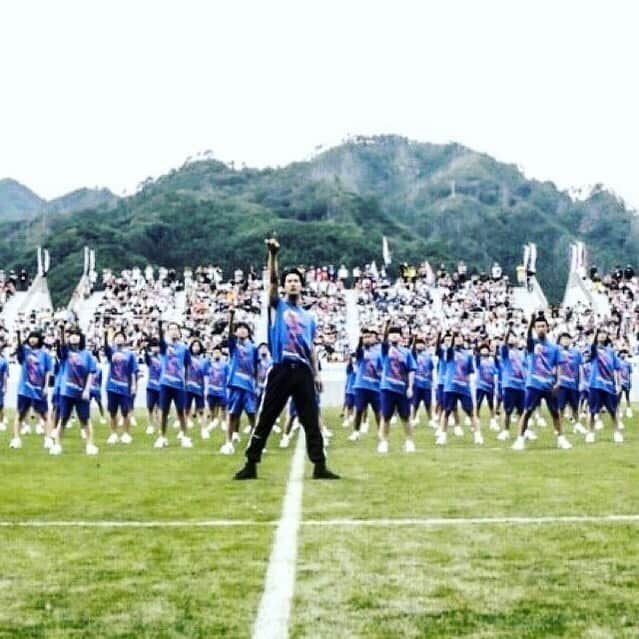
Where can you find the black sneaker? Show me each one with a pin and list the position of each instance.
(321, 472)
(248, 472)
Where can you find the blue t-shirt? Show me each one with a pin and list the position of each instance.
(513, 368)
(78, 365)
(36, 363)
(4, 374)
(625, 370)
(96, 386)
(396, 362)
(264, 365)
(569, 365)
(486, 372)
(292, 334)
(424, 370)
(604, 362)
(242, 364)
(367, 376)
(195, 373)
(351, 375)
(441, 365)
(175, 358)
(218, 376)
(542, 361)
(459, 368)
(154, 369)
(123, 366)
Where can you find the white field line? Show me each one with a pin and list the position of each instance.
(426, 521)
(275, 606)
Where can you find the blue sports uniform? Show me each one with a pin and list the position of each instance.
(543, 359)
(154, 369)
(36, 364)
(423, 385)
(218, 373)
(570, 361)
(485, 385)
(513, 371)
(603, 392)
(458, 369)
(367, 378)
(123, 368)
(174, 358)
(242, 373)
(396, 363)
(349, 391)
(196, 372)
(77, 366)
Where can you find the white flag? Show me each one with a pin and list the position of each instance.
(386, 251)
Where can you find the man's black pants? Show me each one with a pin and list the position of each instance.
(288, 379)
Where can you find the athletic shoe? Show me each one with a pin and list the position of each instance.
(91, 449)
(479, 440)
(628, 412)
(26, 429)
(235, 438)
(247, 429)
(354, 436)
(285, 441)
(276, 429)
(103, 421)
(578, 428)
(530, 435)
(204, 433)
(622, 426)
(504, 436)
(520, 443)
(161, 442)
(48, 442)
(393, 419)
(494, 426)
(617, 437)
(126, 438)
(134, 422)
(590, 438)
(39, 428)
(563, 443)
(15, 442)
(364, 427)
(345, 423)
(149, 430)
(214, 424)
(56, 449)
(180, 435)
(227, 449)
(113, 439)
(186, 442)
(382, 446)
(321, 472)
(414, 422)
(249, 471)
(83, 433)
(598, 424)
(176, 424)
(409, 446)
(442, 438)
(458, 431)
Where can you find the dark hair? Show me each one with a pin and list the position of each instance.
(395, 329)
(196, 341)
(38, 335)
(119, 333)
(565, 334)
(541, 318)
(242, 325)
(292, 271)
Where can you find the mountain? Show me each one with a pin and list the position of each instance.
(436, 202)
(17, 202)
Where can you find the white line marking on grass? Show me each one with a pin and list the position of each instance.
(275, 606)
(465, 521)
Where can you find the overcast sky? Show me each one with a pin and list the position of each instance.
(108, 93)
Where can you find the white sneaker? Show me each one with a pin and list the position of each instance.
(467, 421)
(91, 449)
(180, 435)
(214, 424)
(113, 439)
(227, 449)
(598, 424)
(458, 431)
(26, 429)
(15, 442)
(102, 421)
(48, 442)
(382, 446)
(622, 426)
(477, 436)
(83, 433)
(276, 429)
(541, 422)
(176, 424)
(204, 433)
(39, 428)
(56, 449)
(504, 436)
(189, 423)
(563, 443)
(149, 430)
(628, 412)
(494, 426)
(414, 422)
(126, 438)
(441, 440)
(409, 446)
(530, 435)
(285, 441)
(590, 438)
(186, 442)
(345, 423)
(134, 422)
(246, 430)
(235, 438)
(520, 443)
(578, 428)
(393, 419)
(364, 427)
(161, 442)
(617, 437)
(354, 436)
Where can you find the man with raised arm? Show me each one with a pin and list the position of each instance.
(294, 373)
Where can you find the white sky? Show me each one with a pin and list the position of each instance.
(108, 93)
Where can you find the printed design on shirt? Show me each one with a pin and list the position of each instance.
(424, 370)
(294, 334)
(395, 364)
(370, 366)
(516, 366)
(35, 376)
(460, 374)
(486, 371)
(568, 366)
(625, 372)
(119, 367)
(195, 371)
(155, 368)
(605, 366)
(244, 360)
(541, 365)
(75, 370)
(216, 376)
(173, 368)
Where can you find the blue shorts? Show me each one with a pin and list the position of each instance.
(241, 400)
(216, 400)
(40, 406)
(514, 399)
(420, 395)
(392, 401)
(194, 397)
(451, 399)
(349, 400)
(170, 394)
(365, 397)
(439, 395)
(487, 395)
(116, 402)
(534, 397)
(152, 399)
(568, 396)
(583, 396)
(67, 404)
(598, 399)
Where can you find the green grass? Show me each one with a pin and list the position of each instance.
(471, 581)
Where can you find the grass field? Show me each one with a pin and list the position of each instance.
(406, 576)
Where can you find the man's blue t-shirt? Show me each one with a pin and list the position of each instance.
(569, 364)
(396, 362)
(292, 334)
(542, 361)
(175, 357)
(513, 367)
